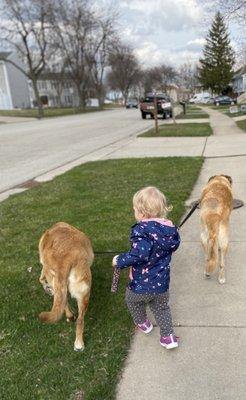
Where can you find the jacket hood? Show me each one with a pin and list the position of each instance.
(157, 230)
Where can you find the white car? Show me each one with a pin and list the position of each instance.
(200, 98)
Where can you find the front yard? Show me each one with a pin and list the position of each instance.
(52, 112)
(192, 111)
(180, 130)
(242, 124)
(37, 360)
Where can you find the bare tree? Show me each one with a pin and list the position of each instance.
(158, 78)
(25, 28)
(187, 76)
(98, 53)
(125, 69)
(74, 25)
(58, 78)
(233, 9)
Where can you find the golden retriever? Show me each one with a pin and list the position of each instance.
(216, 205)
(66, 255)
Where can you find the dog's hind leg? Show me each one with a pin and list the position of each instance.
(223, 246)
(204, 240)
(82, 307)
(46, 280)
(79, 288)
(59, 302)
(69, 314)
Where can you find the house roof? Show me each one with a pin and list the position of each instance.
(4, 55)
(241, 71)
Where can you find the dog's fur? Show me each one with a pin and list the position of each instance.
(216, 205)
(66, 255)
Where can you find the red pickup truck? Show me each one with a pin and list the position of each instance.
(164, 106)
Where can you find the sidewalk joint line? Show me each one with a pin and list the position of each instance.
(226, 156)
(205, 145)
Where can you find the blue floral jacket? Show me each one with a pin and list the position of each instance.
(152, 245)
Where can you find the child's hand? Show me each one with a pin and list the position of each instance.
(114, 261)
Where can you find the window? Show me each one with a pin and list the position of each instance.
(68, 100)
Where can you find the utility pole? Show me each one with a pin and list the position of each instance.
(173, 112)
(155, 115)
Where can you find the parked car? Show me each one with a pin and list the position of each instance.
(164, 107)
(208, 100)
(221, 100)
(203, 97)
(132, 103)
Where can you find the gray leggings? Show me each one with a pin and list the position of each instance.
(158, 303)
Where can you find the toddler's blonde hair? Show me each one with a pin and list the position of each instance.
(151, 203)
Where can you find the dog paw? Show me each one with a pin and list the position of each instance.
(49, 291)
(222, 281)
(206, 275)
(78, 346)
(71, 319)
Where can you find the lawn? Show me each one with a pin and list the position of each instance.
(180, 130)
(192, 111)
(48, 112)
(242, 124)
(37, 360)
(192, 114)
(233, 115)
(192, 107)
(221, 107)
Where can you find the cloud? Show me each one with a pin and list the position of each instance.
(168, 15)
(162, 30)
(150, 54)
(193, 46)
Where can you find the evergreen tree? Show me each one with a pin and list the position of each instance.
(215, 71)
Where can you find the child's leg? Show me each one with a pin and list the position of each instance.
(161, 310)
(136, 304)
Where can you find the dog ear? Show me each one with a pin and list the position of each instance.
(212, 177)
(229, 178)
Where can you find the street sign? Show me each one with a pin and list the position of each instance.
(234, 109)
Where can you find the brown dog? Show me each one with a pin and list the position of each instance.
(66, 255)
(216, 205)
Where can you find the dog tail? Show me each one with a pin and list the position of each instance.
(213, 229)
(59, 303)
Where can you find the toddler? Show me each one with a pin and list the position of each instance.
(153, 240)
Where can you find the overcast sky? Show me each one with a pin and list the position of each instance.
(170, 31)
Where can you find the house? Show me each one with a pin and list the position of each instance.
(56, 89)
(239, 81)
(177, 93)
(14, 91)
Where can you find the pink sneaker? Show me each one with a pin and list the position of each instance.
(146, 327)
(170, 342)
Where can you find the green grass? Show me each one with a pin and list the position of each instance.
(191, 107)
(192, 114)
(37, 360)
(180, 130)
(242, 124)
(225, 109)
(48, 112)
(221, 108)
(233, 115)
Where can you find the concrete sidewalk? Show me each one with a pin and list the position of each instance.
(11, 120)
(232, 143)
(209, 318)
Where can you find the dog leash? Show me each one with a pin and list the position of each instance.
(194, 207)
(116, 273)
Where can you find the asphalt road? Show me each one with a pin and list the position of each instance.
(29, 149)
